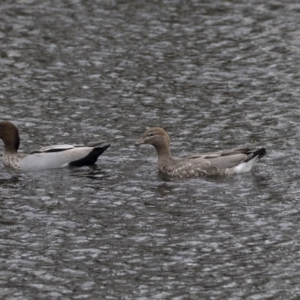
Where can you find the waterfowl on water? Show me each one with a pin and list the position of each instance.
(234, 161)
(50, 157)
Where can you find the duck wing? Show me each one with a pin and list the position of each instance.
(227, 159)
(222, 153)
(59, 156)
(63, 147)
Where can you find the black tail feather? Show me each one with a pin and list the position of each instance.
(260, 153)
(91, 158)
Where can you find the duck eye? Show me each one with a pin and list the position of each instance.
(150, 134)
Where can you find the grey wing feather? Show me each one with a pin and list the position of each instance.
(229, 161)
(53, 148)
(225, 159)
(222, 153)
(63, 147)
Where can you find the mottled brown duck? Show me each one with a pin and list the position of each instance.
(234, 161)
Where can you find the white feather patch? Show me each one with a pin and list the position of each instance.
(245, 166)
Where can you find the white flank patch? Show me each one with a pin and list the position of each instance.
(246, 166)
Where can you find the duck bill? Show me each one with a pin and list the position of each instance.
(139, 142)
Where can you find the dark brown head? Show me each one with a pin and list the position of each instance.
(9, 134)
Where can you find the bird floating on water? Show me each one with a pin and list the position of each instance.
(56, 156)
(234, 161)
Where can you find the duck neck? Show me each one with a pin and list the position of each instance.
(163, 151)
(12, 145)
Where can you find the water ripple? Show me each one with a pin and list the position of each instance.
(216, 75)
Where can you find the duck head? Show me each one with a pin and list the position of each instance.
(9, 134)
(155, 136)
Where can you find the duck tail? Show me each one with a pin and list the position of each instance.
(247, 165)
(91, 158)
(258, 153)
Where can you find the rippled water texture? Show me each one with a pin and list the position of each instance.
(215, 75)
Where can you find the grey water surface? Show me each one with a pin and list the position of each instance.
(216, 75)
